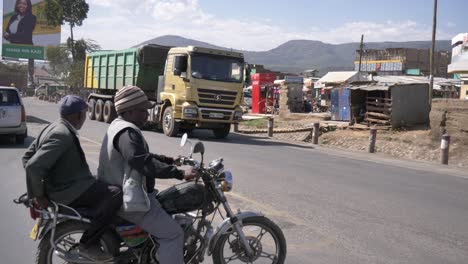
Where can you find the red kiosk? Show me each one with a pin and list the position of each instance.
(262, 92)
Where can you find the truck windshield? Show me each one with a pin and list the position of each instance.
(217, 68)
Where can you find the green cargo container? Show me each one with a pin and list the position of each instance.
(108, 71)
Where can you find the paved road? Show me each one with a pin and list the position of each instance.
(334, 207)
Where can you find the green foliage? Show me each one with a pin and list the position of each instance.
(257, 123)
(83, 46)
(72, 71)
(13, 68)
(75, 78)
(59, 59)
(60, 12)
(73, 12)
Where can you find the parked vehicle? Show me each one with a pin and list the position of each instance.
(243, 237)
(51, 91)
(193, 87)
(12, 114)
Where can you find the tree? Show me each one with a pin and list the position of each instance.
(59, 59)
(73, 12)
(83, 46)
(72, 71)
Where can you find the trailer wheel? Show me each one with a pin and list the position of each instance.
(98, 110)
(109, 113)
(91, 109)
(170, 126)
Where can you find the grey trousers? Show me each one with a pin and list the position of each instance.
(167, 232)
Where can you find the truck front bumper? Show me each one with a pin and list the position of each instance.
(216, 115)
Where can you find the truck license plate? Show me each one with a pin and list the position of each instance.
(216, 115)
(35, 230)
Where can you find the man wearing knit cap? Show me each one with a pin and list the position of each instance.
(56, 169)
(125, 152)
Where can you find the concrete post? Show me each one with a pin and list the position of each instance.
(315, 133)
(270, 127)
(372, 139)
(236, 127)
(444, 149)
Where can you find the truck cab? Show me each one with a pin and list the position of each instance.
(204, 89)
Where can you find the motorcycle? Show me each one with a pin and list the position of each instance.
(242, 237)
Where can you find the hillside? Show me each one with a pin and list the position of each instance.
(299, 55)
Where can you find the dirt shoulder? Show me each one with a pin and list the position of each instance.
(416, 144)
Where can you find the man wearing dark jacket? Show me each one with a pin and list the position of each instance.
(56, 169)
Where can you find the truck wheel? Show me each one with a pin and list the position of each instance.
(170, 126)
(91, 107)
(98, 110)
(109, 112)
(222, 132)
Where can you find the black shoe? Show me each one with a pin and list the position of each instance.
(94, 253)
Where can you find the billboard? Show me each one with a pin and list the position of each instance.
(25, 31)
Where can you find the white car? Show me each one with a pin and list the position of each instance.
(12, 114)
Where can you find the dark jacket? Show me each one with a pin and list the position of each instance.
(25, 30)
(132, 147)
(56, 166)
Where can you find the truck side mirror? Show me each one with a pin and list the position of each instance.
(180, 65)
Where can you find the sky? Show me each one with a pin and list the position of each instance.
(259, 25)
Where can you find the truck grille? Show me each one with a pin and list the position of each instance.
(215, 114)
(208, 96)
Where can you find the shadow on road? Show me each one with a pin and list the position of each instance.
(33, 119)
(234, 138)
(8, 142)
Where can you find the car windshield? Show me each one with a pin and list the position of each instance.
(8, 97)
(217, 68)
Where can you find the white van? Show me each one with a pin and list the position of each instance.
(12, 114)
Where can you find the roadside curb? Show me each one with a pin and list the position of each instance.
(379, 157)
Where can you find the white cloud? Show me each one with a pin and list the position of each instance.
(123, 23)
(450, 24)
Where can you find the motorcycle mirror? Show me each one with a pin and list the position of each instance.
(199, 148)
(183, 141)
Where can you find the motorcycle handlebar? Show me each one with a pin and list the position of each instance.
(189, 162)
(23, 199)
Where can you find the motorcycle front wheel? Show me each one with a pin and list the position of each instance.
(67, 238)
(265, 238)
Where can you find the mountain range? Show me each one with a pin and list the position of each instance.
(298, 55)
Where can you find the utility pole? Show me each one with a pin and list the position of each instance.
(431, 76)
(31, 72)
(361, 49)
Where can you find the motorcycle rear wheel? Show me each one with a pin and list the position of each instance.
(229, 243)
(68, 234)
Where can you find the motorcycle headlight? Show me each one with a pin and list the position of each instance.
(227, 181)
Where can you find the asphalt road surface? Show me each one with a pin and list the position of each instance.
(333, 206)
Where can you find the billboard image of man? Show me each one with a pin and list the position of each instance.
(21, 25)
(26, 31)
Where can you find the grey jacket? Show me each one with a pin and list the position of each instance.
(56, 166)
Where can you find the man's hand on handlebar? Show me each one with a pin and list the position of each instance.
(189, 173)
(177, 161)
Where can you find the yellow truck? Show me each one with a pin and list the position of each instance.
(194, 87)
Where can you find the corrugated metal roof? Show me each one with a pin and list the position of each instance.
(376, 87)
(337, 77)
(438, 82)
